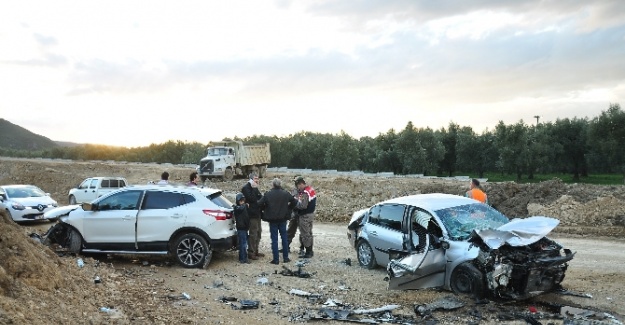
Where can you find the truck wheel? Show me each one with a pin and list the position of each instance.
(262, 171)
(228, 174)
(72, 200)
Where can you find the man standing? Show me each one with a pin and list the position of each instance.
(305, 210)
(164, 178)
(291, 228)
(252, 195)
(277, 204)
(475, 192)
(193, 179)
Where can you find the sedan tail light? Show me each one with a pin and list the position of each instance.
(218, 214)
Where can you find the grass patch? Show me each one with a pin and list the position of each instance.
(599, 179)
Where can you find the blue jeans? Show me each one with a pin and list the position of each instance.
(242, 236)
(274, 228)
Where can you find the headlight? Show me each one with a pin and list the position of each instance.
(17, 206)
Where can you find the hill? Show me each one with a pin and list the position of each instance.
(16, 137)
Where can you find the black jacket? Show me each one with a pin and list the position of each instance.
(252, 195)
(241, 217)
(277, 205)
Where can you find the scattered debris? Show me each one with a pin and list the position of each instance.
(299, 273)
(376, 310)
(245, 304)
(348, 261)
(566, 292)
(332, 303)
(262, 281)
(446, 303)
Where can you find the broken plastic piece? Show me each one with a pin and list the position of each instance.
(376, 310)
(446, 303)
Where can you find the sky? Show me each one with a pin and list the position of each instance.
(132, 73)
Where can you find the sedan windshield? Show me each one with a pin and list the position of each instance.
(24, 192)
(461, 220)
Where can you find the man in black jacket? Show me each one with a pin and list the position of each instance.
(252, 195)
(277, 205)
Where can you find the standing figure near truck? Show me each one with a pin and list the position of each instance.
(305, 209)
(252, 196)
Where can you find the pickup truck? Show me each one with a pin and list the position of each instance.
(94, 187)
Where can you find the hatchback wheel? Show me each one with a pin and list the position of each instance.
(365, 255)
(466, 278)
(192, 250)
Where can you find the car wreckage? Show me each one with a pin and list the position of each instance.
(459, 244)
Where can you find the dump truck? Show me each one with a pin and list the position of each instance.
(227, 159)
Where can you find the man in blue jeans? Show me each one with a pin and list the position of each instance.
(277, 205)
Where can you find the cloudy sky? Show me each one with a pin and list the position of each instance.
(132, 73)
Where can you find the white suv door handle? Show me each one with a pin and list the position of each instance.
(176, 215)
(127, 217)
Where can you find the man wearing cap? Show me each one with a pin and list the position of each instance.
(305, 211)
(252, 195)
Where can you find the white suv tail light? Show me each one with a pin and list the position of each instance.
(218, 214)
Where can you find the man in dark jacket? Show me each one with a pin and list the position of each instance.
(252, 195)
(243, 226)
(277, 205)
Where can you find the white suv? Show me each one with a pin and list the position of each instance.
(187, 223)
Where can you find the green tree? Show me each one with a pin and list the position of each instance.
(342, 153)
(449, 138)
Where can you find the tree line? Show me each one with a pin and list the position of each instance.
(578, 146)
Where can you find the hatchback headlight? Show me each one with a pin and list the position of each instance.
(18, 206)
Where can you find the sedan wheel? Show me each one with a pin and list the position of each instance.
(192, 250)
(365, 255)
(467, 279)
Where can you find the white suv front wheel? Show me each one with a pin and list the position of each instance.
(192, 250)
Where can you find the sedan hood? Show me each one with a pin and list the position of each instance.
(518, 232)
(60, 211)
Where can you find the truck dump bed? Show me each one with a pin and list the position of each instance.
(256, 154)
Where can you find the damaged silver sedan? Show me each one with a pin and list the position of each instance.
(459, 244)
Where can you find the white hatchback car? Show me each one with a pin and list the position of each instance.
(25, 202)
(188, 223)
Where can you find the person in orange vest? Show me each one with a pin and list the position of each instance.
(476, 193)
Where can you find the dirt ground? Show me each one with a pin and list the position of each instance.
(37, 286)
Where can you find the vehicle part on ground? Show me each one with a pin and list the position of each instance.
(445, 303)
(365, 255)
(190, 250)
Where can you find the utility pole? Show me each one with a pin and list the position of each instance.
(537, 117)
